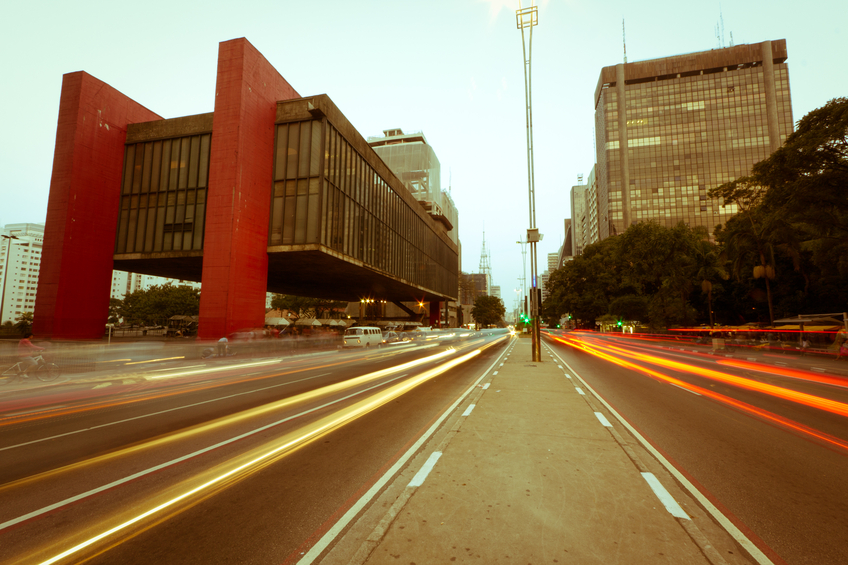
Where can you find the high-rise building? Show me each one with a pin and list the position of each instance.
(579, 219)
(20, 261)
(689, 123)
(591, 235)
(414, 162)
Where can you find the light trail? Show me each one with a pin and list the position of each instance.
(822, 403)
(286, 444)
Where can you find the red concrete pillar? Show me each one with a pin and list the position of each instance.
(72, 300)
(235, 257)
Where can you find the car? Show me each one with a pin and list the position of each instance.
(390, 337)
(363, 336)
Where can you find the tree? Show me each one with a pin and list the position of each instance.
(158, 303)
(305, 307)
(114, 309)
(488, 310)
(24, 325)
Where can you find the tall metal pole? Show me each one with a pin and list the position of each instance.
(529, 18)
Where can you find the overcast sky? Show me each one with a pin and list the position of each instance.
(449, 68)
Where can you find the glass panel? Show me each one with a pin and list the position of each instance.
(291, 159)
(148, 168)
(129, 157)
(174, 165)
(204, 160)
(194, 161)
(305, 142)
(314, 214)
(139, 234)
(156, 167)
(301, 214)
(277, 221)
(199, 219)
(137, 164)
(280, 155)
(132, 229)
(184, 153)
(315, 157)
(160, 227)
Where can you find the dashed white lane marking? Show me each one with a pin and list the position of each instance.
(751, 358)
(495, 373)
(686, 389)
(603, 420)
(668, 501)
(580, 390)
(780, 363)
(422, 473)
(485, 386)
(501, 365)
(818, 369)
(127, 382)
(468, 410)
(102, 385)
(559, 366)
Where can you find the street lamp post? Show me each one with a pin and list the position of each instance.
(528, 18)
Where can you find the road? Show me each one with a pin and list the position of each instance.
(766, 445)
(230, 461)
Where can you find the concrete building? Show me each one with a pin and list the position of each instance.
(591, 234)
(269, 192)
(579, 220)
(689, 123)
(496, 292)
(20, 263)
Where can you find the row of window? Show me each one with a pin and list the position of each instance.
(335, 198)
(163, 201)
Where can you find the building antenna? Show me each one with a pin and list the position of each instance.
(721, 19)
(731, 39)
(623, 40)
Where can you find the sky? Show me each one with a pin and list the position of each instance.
(450, 68)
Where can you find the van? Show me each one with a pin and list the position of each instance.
(363, 337)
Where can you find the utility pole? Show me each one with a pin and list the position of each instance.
(528, 18)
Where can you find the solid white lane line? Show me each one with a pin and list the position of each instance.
(354, 510)
(723, 520)
(468, 410)
(119, 482)
(603, 420)
(686, 389)
(668, 501)
(422, 473)
(580, 390)
(160, 412)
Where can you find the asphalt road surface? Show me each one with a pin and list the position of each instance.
(240, 461)
(767, 445)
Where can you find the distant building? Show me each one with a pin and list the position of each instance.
(20, 261)
(579, 220)
(496, 292)
(689, 123)
(414, 162)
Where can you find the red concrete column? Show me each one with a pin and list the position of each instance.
(72, 300)
(235, 257)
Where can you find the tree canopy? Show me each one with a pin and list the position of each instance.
(157, 304)
(488, 310)
(305, 307)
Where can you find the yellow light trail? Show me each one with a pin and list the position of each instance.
(309, 433)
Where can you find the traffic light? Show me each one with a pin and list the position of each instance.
(619, 323)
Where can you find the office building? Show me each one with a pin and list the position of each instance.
(20, 262)
(579, 219)
(689, 123)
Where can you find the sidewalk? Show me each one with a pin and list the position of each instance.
(533, 476)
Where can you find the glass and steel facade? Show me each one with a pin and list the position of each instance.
(163, 195)
(329, 191)
(686, 132)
